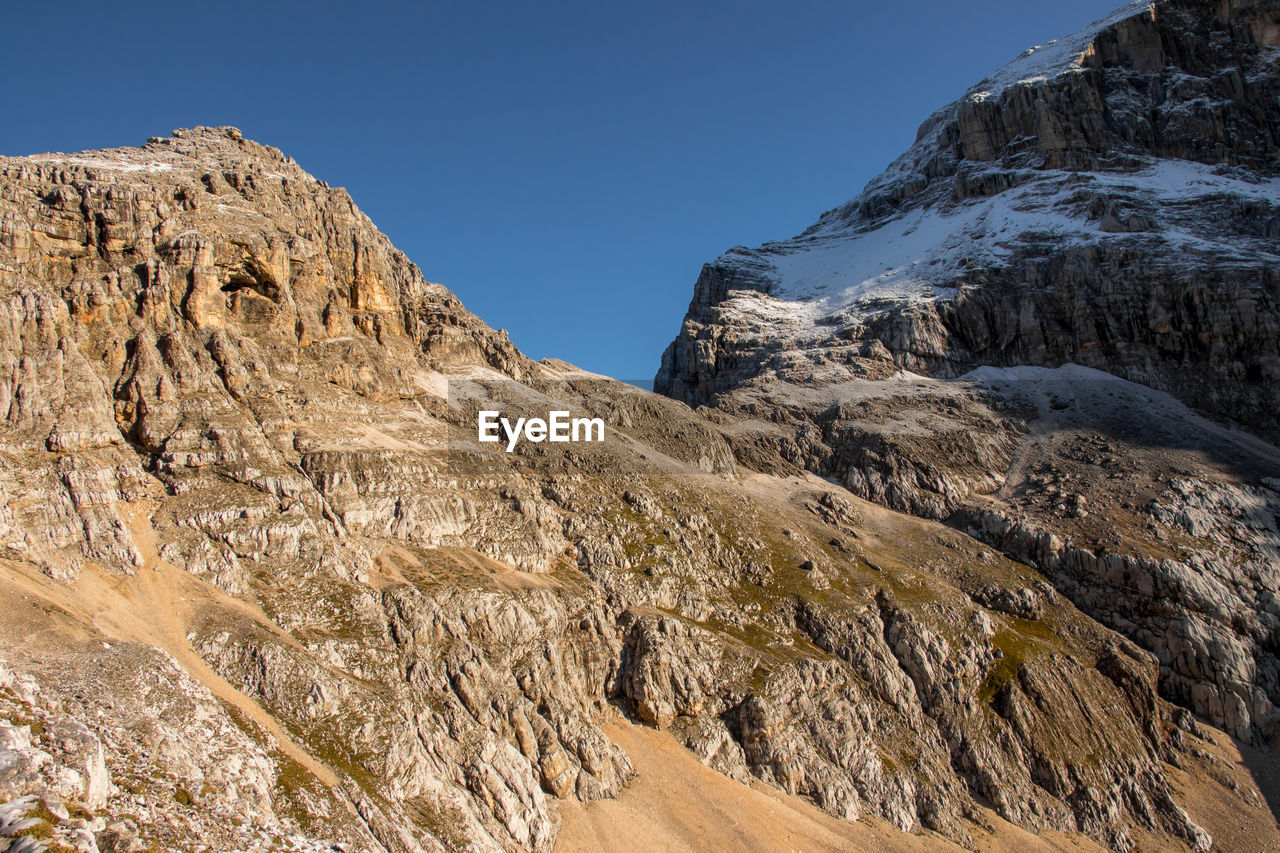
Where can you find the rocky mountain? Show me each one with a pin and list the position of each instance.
(264, 589)
(1109, 199)
(1054, 323)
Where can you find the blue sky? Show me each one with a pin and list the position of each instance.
(564, 167)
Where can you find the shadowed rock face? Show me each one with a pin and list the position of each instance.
(1109, 200)
(255, 558)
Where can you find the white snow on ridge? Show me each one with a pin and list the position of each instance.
(1044, 62)
(909, 257)
(913, 256)
(1036, 64)
(1184, 180)
(104, 163)
(920, 254)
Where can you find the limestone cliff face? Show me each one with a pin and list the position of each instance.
(264, 590)
(977, 335)
(163, 301)
(1109, 199)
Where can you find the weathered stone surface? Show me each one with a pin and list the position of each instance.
(253, 548)
(1174, 288)
(1107, 201)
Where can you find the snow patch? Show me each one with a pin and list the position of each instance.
(922, 254)
(104, 163)
(1051, 59)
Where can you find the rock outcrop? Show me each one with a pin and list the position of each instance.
(948, 343)
(1111, 199)
(264, 589)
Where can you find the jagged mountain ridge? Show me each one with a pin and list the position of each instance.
(263, 590)
(977, 335)
(1109, 199)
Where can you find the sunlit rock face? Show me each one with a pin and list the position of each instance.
(264, 588)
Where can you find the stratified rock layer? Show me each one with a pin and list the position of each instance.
(255, 557)
(1110, 200)
(1105, 206)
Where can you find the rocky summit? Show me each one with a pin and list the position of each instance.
(968, 540)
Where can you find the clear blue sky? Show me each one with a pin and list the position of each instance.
(564, 167)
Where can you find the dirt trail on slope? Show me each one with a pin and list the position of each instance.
(678, 805)
(151, 607)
